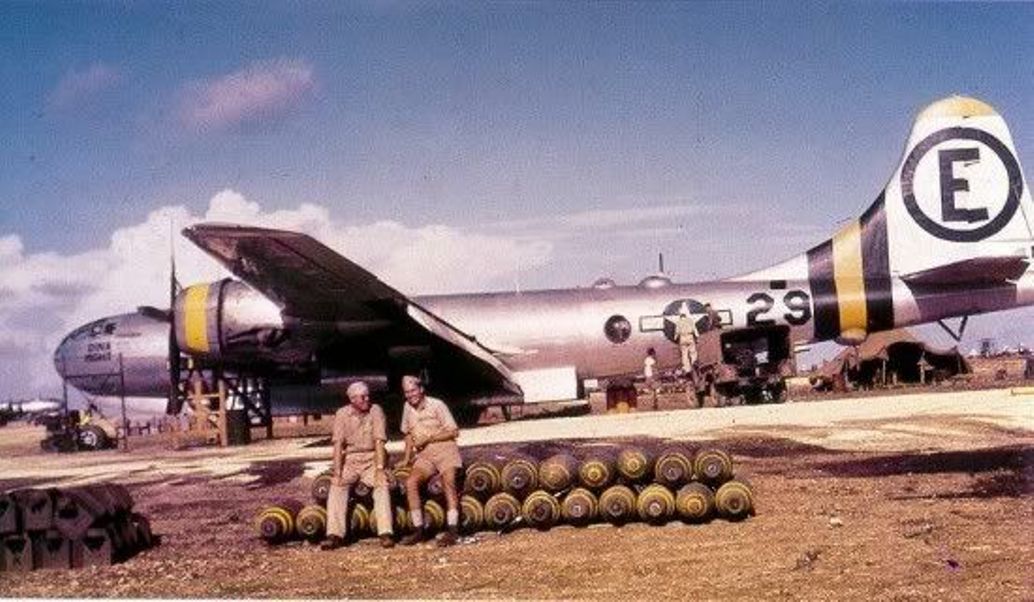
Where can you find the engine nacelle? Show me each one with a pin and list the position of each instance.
(228, 320)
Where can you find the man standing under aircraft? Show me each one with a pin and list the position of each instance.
(649, 374)
(687, 333)
(714, 321)
(431, 434)
(359, 435)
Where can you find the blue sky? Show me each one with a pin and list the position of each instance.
(776, 120)
(466, 114)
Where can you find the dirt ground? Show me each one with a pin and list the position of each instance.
(945, 514)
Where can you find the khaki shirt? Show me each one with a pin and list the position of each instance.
(359, 431)
(430, 420)
(686, 330)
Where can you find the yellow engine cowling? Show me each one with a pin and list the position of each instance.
(227, 318)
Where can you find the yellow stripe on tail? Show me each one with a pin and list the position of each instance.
(848, 276)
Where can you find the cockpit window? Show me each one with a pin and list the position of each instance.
(94, 329)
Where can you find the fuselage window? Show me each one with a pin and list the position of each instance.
(617, 329)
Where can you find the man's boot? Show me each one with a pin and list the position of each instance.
(332, 542)
(449, 537)
(417, 536)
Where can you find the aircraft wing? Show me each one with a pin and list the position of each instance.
(306, 278)
(310, 281)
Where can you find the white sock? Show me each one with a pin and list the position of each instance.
(452, 517)
(417, 518)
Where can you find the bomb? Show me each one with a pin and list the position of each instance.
(8, 514)
(558, 472)
(673, 468)
(311, 522)
(712, 466)
(361, 520)
(597, 470)
(362, 492)
(579, 507)
(36, 508)
(655, 504)
(634, 465)
(144, 535)
(401, 517)
(695, 503)
(520, 476)
(400, 474)
(436, 487)
(321, 488)
(434, 516)
(76, 509)
(617, 505)
(483, 479)
(472, 514)
(501, 510)
(734, 500)
(541, 510)
(276, 523)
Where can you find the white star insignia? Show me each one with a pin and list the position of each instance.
(683, 309)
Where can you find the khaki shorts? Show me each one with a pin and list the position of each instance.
(358, 469)
(439, 457)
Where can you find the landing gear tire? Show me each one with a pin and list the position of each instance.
(92, 437)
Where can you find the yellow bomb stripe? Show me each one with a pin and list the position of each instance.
(849, 279)
(195, 318)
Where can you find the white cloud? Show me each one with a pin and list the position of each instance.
(44, 295)
(262, 90)
(77, 86)
(630, 222)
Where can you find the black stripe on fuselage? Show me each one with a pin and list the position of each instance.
(823, 291)
(876, 267)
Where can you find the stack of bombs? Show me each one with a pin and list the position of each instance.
(600, 484)
(74, 527)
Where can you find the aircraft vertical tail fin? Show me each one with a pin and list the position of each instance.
(951, 233)
(959, 192)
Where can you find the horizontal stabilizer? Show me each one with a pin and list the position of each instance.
(978, 271)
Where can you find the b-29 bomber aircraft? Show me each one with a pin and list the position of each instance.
(949, 236)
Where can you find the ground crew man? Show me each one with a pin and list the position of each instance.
(358, 437)
(687, 333)
(431, 448)
(714, 321)
(649, 374)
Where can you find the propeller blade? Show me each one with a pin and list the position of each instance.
(174, 404)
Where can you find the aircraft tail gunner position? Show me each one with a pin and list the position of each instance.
(431, 434)
(687, 333)
(359, 435)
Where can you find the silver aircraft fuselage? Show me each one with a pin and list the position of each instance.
(951, 234)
